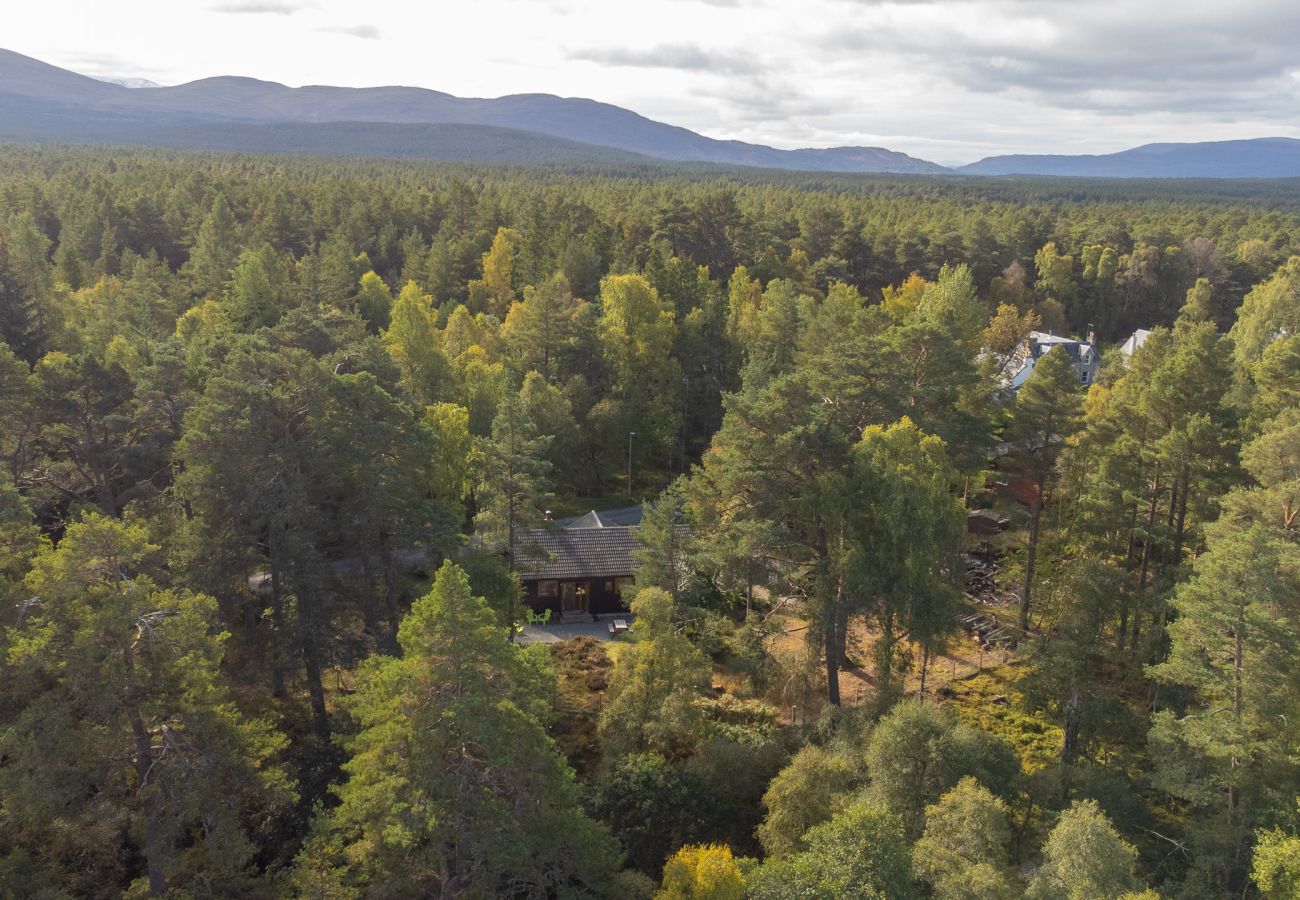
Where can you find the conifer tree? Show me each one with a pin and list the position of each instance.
(453, 786)
(374, 302)
(513, 484)
(662, 559)
(1046, 414)
(412, 340)
(537, 330)
(652, 691)
(19, 540)
(214, 252)
(1232, 645)
(125, 743)
(23, 320)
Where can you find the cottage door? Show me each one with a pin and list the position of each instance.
(573, 597)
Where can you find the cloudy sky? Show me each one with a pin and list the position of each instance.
(947, 80)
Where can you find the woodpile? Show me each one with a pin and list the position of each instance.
(982, 576)
(989, 632)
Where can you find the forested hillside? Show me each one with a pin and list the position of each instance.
(270, 428)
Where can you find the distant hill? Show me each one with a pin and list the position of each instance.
(41, 102)
(1258, 158)
(74, 107)
(128, 82)
(26, 121)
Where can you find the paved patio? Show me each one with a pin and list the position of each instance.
(554, 632)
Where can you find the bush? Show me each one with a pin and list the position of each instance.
(707, 872)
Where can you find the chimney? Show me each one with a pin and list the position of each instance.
(1092, 335)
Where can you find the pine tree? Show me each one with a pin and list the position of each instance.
(215, 250)
(19, 541)
(126, 744)
(252, 300)
(453, 786)
(1045, 416)
(662, 559)
(513, 480)
(374, 302)
(1232, 645)
(650, 705)
(413, 342)
(23, 320)
(900, 546)
(537, 331)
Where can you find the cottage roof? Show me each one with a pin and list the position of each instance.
(1082, 356)
(609, 518)
(577, 553)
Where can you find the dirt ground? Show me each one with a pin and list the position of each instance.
(962, 658)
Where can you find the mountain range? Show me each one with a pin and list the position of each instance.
(41, 102)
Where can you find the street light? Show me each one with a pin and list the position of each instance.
(630, 435)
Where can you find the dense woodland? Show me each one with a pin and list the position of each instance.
(267, 426)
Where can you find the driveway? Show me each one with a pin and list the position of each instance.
(554, 632)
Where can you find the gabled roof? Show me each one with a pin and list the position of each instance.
(609, 518)
(576, 553)
(1135, 340)
(1082, 355)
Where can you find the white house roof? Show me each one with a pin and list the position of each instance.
(1135, 340)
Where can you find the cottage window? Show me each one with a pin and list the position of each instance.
(548, 589)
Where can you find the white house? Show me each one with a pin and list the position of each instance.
(1135, 340)
(1083, 356)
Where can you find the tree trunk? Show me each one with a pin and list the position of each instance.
(309, 640)
(277, 620)
(842, 626)
(315, 684)
(390, 592)
(831, 641)
(104, 494)
(1238, 663)
(1151, 524)
(1180, 525)
(1031, 559)
(1070, 745)
(369, 607)
(154, 850)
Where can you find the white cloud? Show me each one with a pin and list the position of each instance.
(946, 79)
(365, 32)
(261, 7)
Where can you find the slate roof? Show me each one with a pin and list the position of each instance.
(610, 518)
(576, 553)
(1083, 356)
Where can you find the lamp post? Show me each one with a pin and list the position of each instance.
(630, 435)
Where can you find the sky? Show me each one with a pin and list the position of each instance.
(947, 80)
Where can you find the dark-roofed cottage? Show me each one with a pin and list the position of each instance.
(576, 573)
(582, 567)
